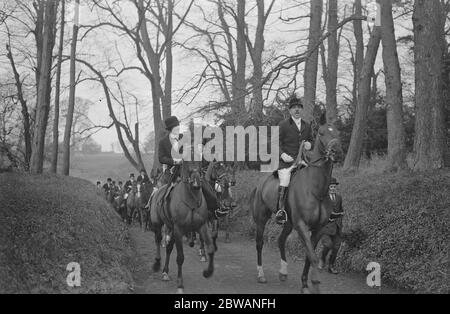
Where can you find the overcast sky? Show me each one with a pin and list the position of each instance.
(104, 45)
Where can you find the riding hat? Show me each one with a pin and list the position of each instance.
(334, 181)
(295, 101)
(132, 175)
(171, 122)
(109, 179)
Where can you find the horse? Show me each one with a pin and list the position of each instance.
(308, 204)
(185, 212)
(109, 196)
(134, 204)
(120, 204)
(221, 177)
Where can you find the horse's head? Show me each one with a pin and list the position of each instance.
(328, 143)
(223, 182)
(191, 174)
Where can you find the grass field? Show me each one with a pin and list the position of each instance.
(47, 222)
(99, 167)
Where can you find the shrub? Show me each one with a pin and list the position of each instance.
(401, 221)
(47, 222)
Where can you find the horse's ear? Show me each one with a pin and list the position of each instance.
(323, 118)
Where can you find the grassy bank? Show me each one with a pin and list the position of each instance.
(47, 222)
(401, 221)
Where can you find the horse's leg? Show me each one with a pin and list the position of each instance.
(312, 259)
(202, 251)
(140, 218)
(178, 238)
(336, 244)
(215, 232)
(206, 235)
(327, 246)
(287, 229)
(158, 237)
(169, 248)
(260, 226)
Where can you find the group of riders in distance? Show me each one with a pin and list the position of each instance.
(186, 197)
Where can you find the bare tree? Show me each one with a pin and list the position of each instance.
(150, 50)
(359, 51)
(331, 65)
(394, 99)
(69, 118)
(429, 140)
(24, 106)
(43, 83)
(310, 75)
(359, 128)
(54, 159)
(256, 53)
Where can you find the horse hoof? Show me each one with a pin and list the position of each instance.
(305, 291)
(282, 277)
(180, 291)
(203, 259)
(165, 277)
(262, 280)
(207, 273)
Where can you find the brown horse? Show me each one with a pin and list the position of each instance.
(134, 204)
(120, 204)
(185, 212)
(308, 204)
(221, 177)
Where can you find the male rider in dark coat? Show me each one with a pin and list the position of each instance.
(332, 232)
(292, 132)
(143, 177)
(170, 143)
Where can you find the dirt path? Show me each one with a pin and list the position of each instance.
(235, 271)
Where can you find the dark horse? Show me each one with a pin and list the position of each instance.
(221, 177)
(308, 204)
(185, 212)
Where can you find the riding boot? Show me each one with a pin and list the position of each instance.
(331, 268)
(281, 215)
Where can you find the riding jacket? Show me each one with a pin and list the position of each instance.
(290, 138)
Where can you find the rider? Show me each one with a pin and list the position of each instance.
(170, 143)
(333, 230)
(108, 185)
(129, 185)
(99, 186)
(292, 132)
(143, 177)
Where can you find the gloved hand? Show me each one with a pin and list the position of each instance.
(286, 158)
(307, 145)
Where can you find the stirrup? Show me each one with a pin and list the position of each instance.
(281, 217)
(219, 213)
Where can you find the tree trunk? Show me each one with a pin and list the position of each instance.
(167, 100)
(43, 105)
(429, 140)
(54, 161)
(332, 63)
(25, 113)
(70, 110)
(359, 127)
(310, 75)
(359, 51)
(241, 54)
(396, 159)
